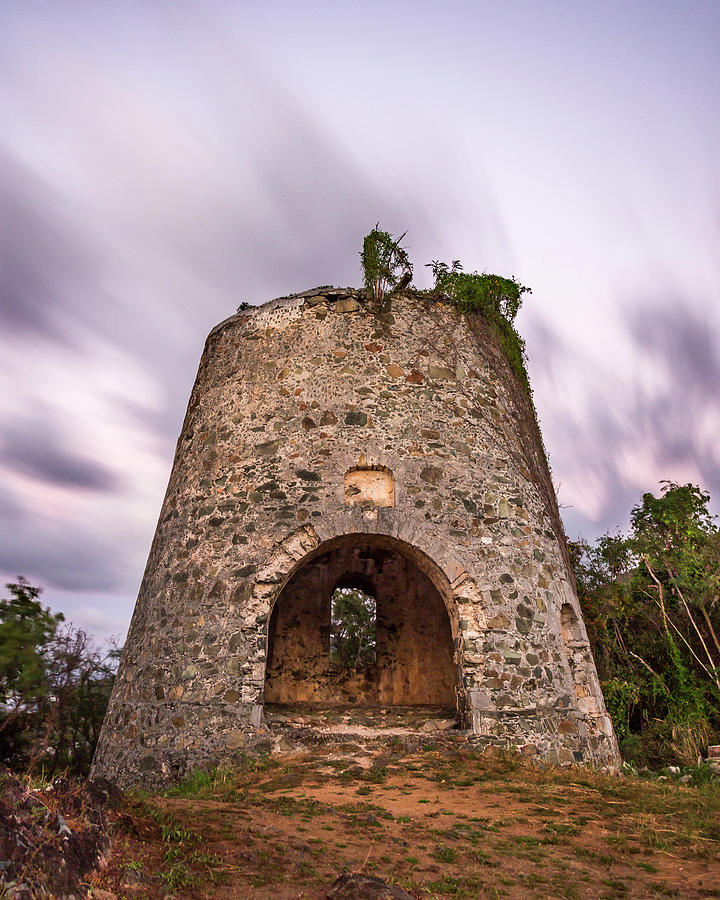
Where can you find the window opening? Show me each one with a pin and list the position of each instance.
(353, 626)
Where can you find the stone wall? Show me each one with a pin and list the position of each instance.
(291, 401)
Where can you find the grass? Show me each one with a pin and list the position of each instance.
(464, 825)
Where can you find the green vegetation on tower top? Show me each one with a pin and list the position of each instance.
(387, 269)
(385, 265)
(491, 295)
(496, 298)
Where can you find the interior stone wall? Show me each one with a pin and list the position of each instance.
(414, 646)
(289, 398)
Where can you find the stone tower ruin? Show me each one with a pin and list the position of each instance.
(326, 446)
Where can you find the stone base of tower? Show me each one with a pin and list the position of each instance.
(549, 736)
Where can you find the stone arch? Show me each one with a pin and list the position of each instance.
(302, 553)
(444, 569)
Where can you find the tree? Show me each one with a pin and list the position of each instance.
(80, 677)
(651, 601)
(54, 685)
(26, 631)
(385, 265)
(352, 628)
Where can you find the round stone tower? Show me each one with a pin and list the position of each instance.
(326, 447)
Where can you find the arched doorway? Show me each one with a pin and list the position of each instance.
(396, 624)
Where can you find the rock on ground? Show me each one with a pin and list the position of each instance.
(365, 887)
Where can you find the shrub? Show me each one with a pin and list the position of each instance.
(385, 264)
(494, 297)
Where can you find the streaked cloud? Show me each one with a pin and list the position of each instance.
(159, 164)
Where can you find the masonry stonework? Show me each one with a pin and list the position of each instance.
(327, 446)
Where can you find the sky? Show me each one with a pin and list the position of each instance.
(160, 163)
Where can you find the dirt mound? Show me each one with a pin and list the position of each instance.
(365, 887)
(51, 838)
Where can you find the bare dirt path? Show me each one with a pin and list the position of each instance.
(438, 824)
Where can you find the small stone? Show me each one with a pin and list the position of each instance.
(218, 589)
(269, 448)
(440, 372)
(567, 726)
(347, 305)
(364, 887)
(307, 475)
(431, 474)
(356, 418)
(394, 371)
(234, 666)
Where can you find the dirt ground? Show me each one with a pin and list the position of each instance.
(437, 823)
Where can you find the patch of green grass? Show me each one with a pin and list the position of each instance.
(446, 854)
(178, 876)
(660, 887)
(196, 782)
(174, 833)
(561, 828)
(484, 859)
(455, 887)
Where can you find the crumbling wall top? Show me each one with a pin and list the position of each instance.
(323, 292)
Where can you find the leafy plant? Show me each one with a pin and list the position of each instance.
(651, 601)
(385, 265)
(26, 631)
(494, 297)
(352, 628)
(196, 782)
(54, 686)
